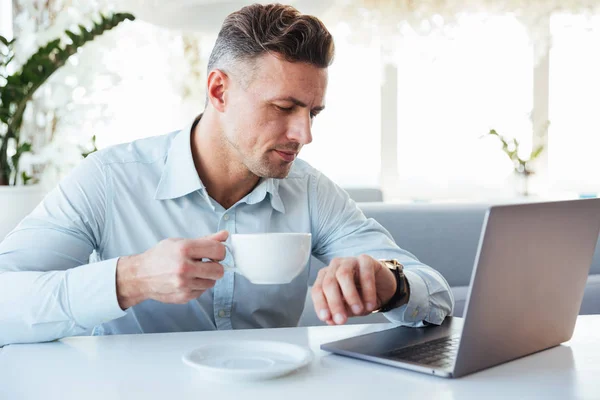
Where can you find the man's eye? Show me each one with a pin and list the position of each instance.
(284, 108)
(313, 114)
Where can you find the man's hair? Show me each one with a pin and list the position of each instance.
(276, 29)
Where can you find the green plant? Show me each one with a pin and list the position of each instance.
(521, 166)
(510, 147)
(17, 88)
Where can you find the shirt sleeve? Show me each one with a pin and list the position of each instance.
(340, 229)
(48, 288)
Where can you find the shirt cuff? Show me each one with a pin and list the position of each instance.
(92, 292)
(417, 308)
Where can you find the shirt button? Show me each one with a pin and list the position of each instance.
(226, 217)
(221, 313)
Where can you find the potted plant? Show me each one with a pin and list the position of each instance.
(17, 194)
(521, 165)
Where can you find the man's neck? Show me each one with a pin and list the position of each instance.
(226, 180)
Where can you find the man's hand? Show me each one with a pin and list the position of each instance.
(351, 286)
(171, 271)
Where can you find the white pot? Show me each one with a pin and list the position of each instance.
(16, 202)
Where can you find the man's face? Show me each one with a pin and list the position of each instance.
(268, 118)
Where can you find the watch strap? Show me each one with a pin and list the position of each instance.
(401, 286)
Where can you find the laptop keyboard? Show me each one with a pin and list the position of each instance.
(437, 353)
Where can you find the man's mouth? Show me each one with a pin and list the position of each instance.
(287, 156)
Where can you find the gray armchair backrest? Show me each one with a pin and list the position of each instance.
(443, 236)
(365, 195)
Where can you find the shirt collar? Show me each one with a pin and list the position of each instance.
(267, 186)
(179, 176)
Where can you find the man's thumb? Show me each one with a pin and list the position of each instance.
(220, 236)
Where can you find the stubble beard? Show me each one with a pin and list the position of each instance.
(263, 168)
(260, 165)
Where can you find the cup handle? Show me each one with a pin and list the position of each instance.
(227, 267)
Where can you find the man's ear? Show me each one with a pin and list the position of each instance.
(218, 83)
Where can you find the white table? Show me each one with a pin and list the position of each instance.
(150, 367)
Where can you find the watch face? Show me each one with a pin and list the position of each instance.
(394, 264)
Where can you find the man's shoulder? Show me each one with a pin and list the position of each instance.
(143, 151)
(304, 172)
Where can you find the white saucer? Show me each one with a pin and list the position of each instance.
(247, 360)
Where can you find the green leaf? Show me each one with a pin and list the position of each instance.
(8, 60)
(21, 149)
(24, 147)
(74, 38)
(21, 85)
(536, 153)
(26, 178)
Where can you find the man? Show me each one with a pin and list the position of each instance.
(147, 212)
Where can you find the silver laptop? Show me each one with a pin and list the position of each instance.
(526, 289)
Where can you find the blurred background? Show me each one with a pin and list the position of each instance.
(415, 90)
(435, 108)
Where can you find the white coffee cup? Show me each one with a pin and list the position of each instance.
(269, 258)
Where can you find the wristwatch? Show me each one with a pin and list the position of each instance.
(402, 289)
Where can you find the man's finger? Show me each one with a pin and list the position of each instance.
(206, 270)
(197, 249)
(196, 293)
(346, 277)
(198, 284)
(333, 294)
(220, 236)
(367, 283)
(318, 298)
(348, 312)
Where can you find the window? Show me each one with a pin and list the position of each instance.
(346, 135)
(147, 100)
(574, 135)
(451, 90)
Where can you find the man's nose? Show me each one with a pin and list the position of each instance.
(300, 131)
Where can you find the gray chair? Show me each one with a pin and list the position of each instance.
(446, 237)
(365, 195)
